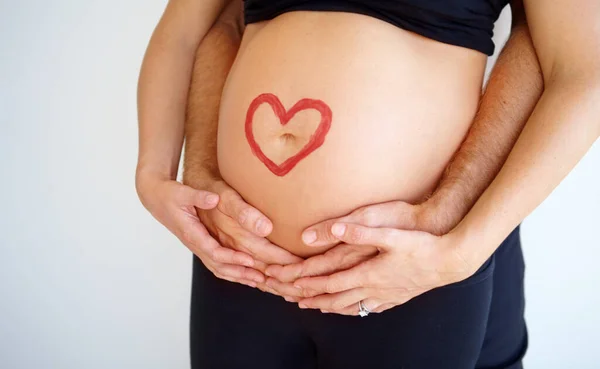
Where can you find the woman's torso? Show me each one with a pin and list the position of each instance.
(400, 106)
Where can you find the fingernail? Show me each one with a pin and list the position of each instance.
(338, 229)
(211, 199)
(249, 263)
(268, 273)
(262, 226)
(298, 287)
(270, 283)
(287, 299)
(252, 284)
(302, 306)
(325, 311)
(309, 237)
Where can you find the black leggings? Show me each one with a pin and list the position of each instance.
(476, 323)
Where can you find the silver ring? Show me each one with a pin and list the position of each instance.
(362, 310)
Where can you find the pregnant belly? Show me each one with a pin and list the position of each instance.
(325, 112)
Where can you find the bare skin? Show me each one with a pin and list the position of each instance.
(214, 58)
(562, 127)
(381, 109)
(514, 88)
(559, 132)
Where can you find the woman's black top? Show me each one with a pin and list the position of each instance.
(467, 23)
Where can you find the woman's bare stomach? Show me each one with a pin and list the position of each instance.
(379, 112)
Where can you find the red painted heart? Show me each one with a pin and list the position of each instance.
(314, 142)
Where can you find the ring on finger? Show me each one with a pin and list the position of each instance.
(363, 311)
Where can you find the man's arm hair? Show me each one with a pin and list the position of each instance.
(561, 129)
(513, 89)
(214, 57)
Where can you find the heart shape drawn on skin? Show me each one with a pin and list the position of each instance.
(314, 142)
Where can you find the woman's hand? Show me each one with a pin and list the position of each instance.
(409, 263)
(340, 257)
(175, 206)
(427, 217)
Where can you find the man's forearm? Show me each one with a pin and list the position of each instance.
(214, 58)
(563, 126)
(514, 87)
(561, 129)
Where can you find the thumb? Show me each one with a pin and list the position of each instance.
(402, 216)
(392, 214)
(320, 234)
(199, 198)
(250, 218)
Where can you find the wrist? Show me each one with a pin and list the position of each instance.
(440, 213)
(200, 178)
(151, 170)
(470, 242)
(465, 251)
(146, 182)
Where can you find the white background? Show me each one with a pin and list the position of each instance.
(88, 279)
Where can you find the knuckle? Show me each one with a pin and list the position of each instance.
(244, 216)
(222, 188)
(302, 270)
(356, 234)
(214, 255)
(247, 274)
(218, 256)
(367, 279)
(294, 293)
(336, 305)
(187, 238)
(367, 215)
(324, 233)
(227, 198)
(331, 287)
(208, 263)
(239, 258)
(388, 237)
(281, 274)
(277, 272)
(306, 293)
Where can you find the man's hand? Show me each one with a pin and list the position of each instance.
(236, 224)
(426, 217)
(409, 263)
(514, 88)
(240, 227)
